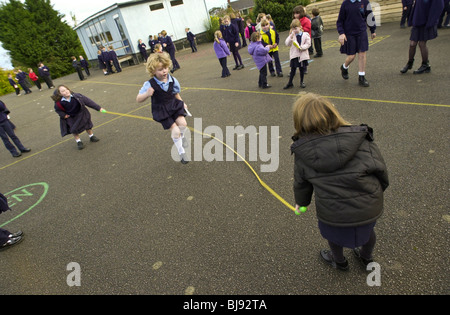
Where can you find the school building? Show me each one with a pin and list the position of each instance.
(123, 24)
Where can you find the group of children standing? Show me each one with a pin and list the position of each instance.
(163, 43)
(264, 41)
(107, 58)
(22, 79)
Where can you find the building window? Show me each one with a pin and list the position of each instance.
(176, 2)
(155, 7)
(99, 33)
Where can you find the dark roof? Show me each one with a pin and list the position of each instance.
(242, 4)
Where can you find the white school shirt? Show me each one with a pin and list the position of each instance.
(163, 85)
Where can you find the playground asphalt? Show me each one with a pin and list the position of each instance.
(135, 221)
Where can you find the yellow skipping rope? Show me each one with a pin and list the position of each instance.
(262, 183)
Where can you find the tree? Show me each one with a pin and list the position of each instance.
(33, 32)
(280, 10)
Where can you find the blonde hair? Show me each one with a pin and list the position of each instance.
(163, 33)
(260, 17)
(217, 36)
(155, 60)
(264, 22)
(157, 48)
(295, 23)
(315, 114)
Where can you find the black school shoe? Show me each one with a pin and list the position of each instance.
(183, 159)
(327, 256)
(11, 242)
(364, 262)
(424, 68)
(344, 72)
(80, 145)
(94, 139)
(362, 81)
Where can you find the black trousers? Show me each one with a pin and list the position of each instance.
(276, 58)
(6, 132)
(318, 46)
(405, 15)
(225, 70)
(263, 76)
(80, 73)
(48, 81)
(38, 84)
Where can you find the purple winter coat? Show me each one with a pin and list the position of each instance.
(259, 53)
(221, 49)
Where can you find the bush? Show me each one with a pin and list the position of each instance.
(211, 27)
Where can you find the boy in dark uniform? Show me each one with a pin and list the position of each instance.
(114, 58)
(7, 131)
(44, 73)
(106, 56)
(21, 77)
(191, 38)
(14, 84)
(85, 65)
(77, 67)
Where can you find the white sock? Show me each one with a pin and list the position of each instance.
(345, 66)
(90, 136)
(361, 73)
(78, 140)
(179, 145)
(182, 131)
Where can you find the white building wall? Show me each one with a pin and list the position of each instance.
(141, 22)
(138, 22)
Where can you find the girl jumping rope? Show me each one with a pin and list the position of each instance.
(167, 106)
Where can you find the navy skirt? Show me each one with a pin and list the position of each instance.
(350, 237)
(168, 122)
(355, 44)
(422, 34)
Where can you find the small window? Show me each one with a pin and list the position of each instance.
(158, 6)
(176, 2)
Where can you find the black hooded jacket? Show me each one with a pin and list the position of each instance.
(346, 171)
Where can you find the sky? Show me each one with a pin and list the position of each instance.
(82, 10)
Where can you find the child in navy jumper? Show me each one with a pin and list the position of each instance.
(14, 84)
(352, 28)
(191, 38)
(7, 132)
(424, 20)
(167, 106)
(230, 34)
(74, 115)
(21, 78)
